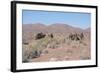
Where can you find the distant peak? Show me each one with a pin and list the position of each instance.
(59, 24)
(38, 23)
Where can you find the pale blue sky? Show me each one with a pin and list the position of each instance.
(81, 20)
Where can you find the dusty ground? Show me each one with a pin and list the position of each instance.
(59, 48)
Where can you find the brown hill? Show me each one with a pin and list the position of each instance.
(87, 30)
(29, 30)
(54, 28)
(63, 28)
(38, 27)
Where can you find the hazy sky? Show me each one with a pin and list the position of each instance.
(82, 20)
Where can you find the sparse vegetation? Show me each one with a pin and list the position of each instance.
(40, 35)
(60, 46)
(76, 36)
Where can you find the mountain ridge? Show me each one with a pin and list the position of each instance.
(53, 28)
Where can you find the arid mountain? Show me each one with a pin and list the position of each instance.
(54, 28)
(29, 30)
(88, 29)
(63, 28)
(33, 27)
